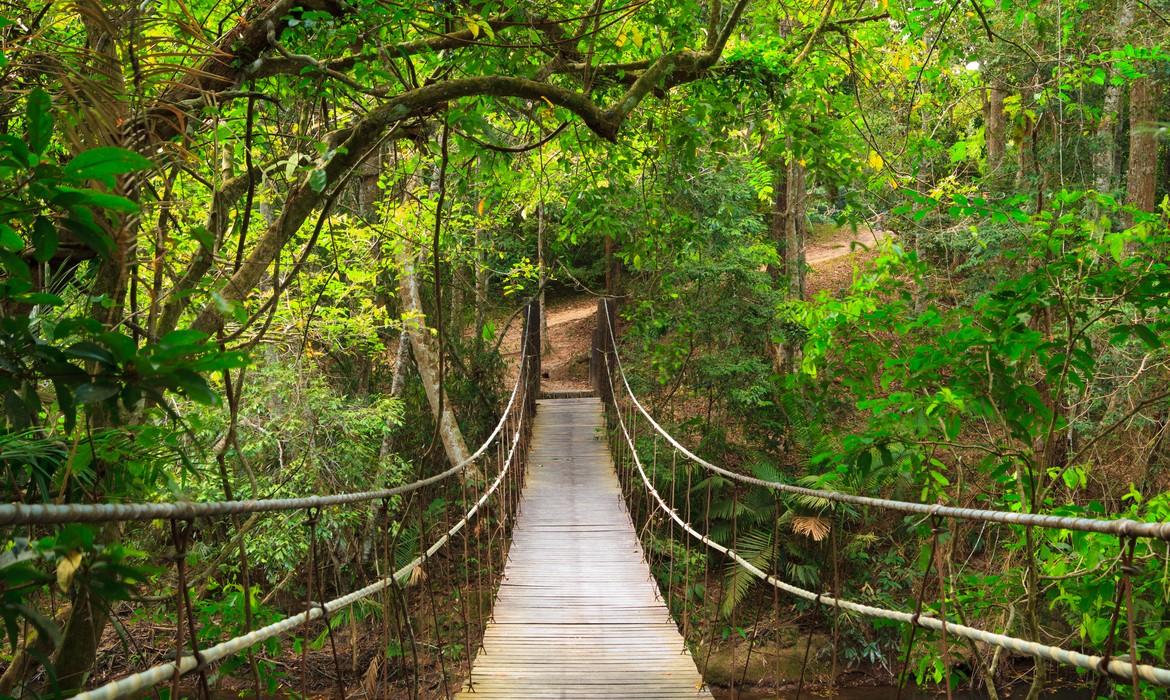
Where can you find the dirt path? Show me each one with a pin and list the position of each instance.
(831, 256)
(838, 242)
(570, 329)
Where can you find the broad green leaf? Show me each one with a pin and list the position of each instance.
(318, 180)
(10, 240)
(95, 392)
(44, 239)
(105, 163)
(196, 387)
(92, 198)
(38, 115)
(182, 338)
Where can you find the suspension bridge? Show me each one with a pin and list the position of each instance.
(571, 492)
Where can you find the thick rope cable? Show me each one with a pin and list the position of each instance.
(1122, 527)
(164, 672)
(56, 513)
(1097, 664)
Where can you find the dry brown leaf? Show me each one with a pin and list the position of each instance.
(812, 526)
(370, 678)
(417, 576)
(66, 568)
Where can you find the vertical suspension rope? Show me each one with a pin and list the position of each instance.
(381, 568)
(465, 618)
(319, 576)
(904, 675)
(687, 565)
(942, 615)
(707, 583)
(180, 536)
(670, 532)
(311, 526)
(776, 570)
(1125, 566)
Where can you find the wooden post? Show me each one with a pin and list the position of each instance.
(531, 346)
(605, 350)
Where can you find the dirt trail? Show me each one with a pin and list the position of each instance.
(838, 242)
(570, 329)
(831, 257)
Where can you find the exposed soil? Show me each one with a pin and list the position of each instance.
(833, 254)
(570, 330)
(832, 243)
(565, 362)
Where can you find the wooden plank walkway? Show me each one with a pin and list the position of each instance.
(578, 615)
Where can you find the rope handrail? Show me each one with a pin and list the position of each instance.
(1098, 664)
(168, 671)
(1122, 527)
(57, 513)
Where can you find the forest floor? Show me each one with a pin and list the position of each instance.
(832, 253)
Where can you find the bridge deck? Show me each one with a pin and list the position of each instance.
(578, 615)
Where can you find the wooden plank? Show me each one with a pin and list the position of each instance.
(578, 615)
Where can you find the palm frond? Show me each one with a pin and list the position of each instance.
(756, 547)
(812, 526)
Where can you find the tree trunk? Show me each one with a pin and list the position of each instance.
(1105, 155)
(995, 132)
(612, 272)
(795, 230)
(481, 282)
(426, 359)
(545, 343)
(1141, 178)
(1026, 150)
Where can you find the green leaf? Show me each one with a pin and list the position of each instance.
(83, 226)
(120, 345)
(16, 267)
(43, 624)
(196, 387)
(10, 240)
(38, 115)
(182, 338)
(1149, 337)
(103, 164)
(86, 350)
(318, 180)
(95, 392)
(44, 239)
(39, 298)
(92, 198)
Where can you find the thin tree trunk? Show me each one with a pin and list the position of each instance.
(481, 282)
(1026, 151)
(995, 132)
(795, 230)
(545, 342)
(1105, 154)
(1141, 178)
(426, 359)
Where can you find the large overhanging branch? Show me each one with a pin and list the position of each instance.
(361, 139)
(240, 55)
(221, 70)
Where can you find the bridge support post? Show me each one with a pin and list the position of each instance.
(602, 355)
(531, 351)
